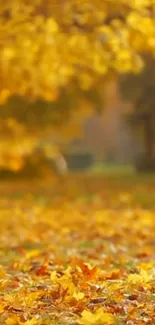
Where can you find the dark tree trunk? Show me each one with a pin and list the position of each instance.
(149, 137)
(146, 162)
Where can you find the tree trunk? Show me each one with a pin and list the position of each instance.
(146, 162)
(149, 137)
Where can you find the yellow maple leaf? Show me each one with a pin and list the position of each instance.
(65, 281)
(78, 295)
(142, 277)
(97, 318)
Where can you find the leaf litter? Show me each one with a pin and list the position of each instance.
(70, 260)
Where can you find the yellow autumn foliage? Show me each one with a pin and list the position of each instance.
(46, 45)
(61, 265)
(142, 277)
(50, 46)
(97, 318)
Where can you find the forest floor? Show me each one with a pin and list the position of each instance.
(78, 252)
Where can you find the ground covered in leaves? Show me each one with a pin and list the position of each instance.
(81, 253)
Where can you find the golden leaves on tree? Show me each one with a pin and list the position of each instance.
(45, 46)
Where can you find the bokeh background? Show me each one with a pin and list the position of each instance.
(76, 86)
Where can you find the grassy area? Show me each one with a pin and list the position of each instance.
(125, 172)
(88, 184)
(113, 170)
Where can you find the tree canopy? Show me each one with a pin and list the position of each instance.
(55, 57)
(48, 45)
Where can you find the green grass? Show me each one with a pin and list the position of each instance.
(113, 170)
(126, 172)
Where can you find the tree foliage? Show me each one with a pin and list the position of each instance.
(55, 53)
(27, 126)
(48, 45)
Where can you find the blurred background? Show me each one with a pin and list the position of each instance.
(117, 134)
